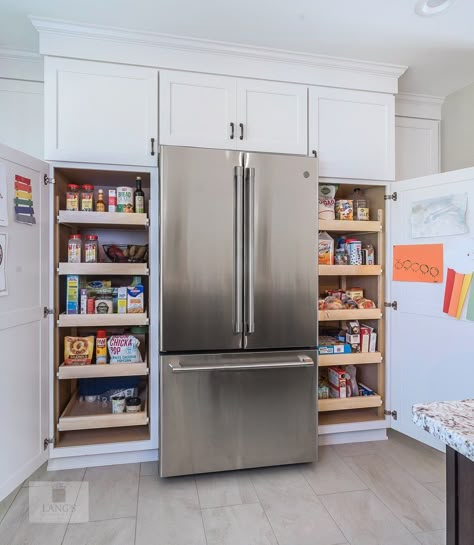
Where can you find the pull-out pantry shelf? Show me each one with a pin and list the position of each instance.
(347, 226)
(103, 219)
(357, 358)
(103, 320)
(350, 270)
(350, 314)
(128, 269)
(66, 372)
(359, 402)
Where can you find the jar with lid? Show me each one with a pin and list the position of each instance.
(100, 203)
(72, 197)
(74, 249)
(361, 205)
(91, 249)
(87, 198)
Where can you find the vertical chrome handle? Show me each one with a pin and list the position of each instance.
(250, 253)
(241, 125)
(232, 129)
(238, 248)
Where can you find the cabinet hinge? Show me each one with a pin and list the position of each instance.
(393, 304)
(392, 197)
(47, 311)
(47, 180)
(48, 441)
(315, 153)
(393, 414)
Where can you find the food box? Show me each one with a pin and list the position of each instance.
(337, 377)
(323, 390)
(124, 199)
(72, 294)
(325, 249)
(365, 390)
(332, 345)
(122, 300)
(135, 299)
(354, 293)
(337, 392)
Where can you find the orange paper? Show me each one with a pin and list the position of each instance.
(418, 263)
(456, 295)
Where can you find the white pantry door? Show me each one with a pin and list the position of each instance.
(431, 353)
(24, 332)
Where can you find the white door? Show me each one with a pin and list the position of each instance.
(272, 117)
(353, 133)
(431, 353)
(197, 110)
(24, 332)
(100, 112)
(416, 147)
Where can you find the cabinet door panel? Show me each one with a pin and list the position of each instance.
(100, 112)
(274, 116)
(353, 132)
(197, 110)
(416, 147)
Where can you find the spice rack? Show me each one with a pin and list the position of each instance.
(78, 423)
(339, 415)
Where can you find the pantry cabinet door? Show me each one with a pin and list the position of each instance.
(430, 352)
(197, 110)
(272, 117)
(353, 133)
(24, 332)
(100, 112)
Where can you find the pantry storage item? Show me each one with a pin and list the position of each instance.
(84, 301)
(354, 251)
(91, 249)
(361, 205)
(100, 204)
(139, 197)
(133, 404)
(325, 249)
(118, 404)
(344, 209)
(87, 198)
(135, 299)
(104, 304)
(126, 253)
(327, 202)
(78, 350)
(72, 294)
(74, 249)
(125, 199)
(72, 197)
(124, 349)
(112, 200)
(101, 347)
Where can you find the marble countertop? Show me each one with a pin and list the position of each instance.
(450, 421)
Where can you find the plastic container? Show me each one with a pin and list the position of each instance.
(91, 249)
(72, 197)
(74, 249)
(87, 198)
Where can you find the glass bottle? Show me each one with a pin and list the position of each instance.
(74, 249)
(139, 197)
(100, 203)
(361, 205)
(72, 197)
(87, 198)
(91, 249)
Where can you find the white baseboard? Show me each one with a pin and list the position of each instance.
(353, 437)
(109, 459)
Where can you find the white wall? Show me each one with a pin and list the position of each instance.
(457, 130)
(21, 101)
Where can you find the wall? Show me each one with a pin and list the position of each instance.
(21, 101)
(457, 130)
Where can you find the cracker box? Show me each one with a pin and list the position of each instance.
(135, 299)
(72, 294)
(337, 377)
(337, 392)
(122, 295)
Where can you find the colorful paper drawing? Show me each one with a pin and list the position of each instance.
(465, 288)
(449, 289)
(439, 216)
(470, 307)
(418, 263)
(3, 197)
(23, 201)
(456, 294)
(3, 264)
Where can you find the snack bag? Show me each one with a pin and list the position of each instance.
(78, 350)
(124, 349)
(327, 201)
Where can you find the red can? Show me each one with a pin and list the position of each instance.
(90, 305)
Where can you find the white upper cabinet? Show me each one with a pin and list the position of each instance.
(353, 133)
(100, 112)
(197, 110)
(417, 147)
(232, 113)
(274, 117)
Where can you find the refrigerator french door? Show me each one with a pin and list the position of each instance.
(238, 303)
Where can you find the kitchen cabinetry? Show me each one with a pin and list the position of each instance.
(416, 147)
(353, 133)
(100, 112)
(232, 113)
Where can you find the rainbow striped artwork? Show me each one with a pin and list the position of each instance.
(23, 200)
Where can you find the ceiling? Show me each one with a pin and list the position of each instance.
(439, 50)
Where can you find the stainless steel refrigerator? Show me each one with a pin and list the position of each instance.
(238, 310)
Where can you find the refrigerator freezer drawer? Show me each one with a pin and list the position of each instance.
(232, 411)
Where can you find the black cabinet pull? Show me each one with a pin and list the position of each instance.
(315, 153)
(232, 126)
(153, 146)
(241, 125)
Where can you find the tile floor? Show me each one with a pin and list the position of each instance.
(380, 493)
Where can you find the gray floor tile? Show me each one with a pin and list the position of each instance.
(356, 449)
(432, 538)
(113, 491)
(331, 474)
(365, 520)
(411, 502)
(6, 503)
(16, 528)
(148, 468)
(222, 489)
(295, 513)
(104, 532)
(438, 489)
(238, 525)
(169, 512)
(43, 475)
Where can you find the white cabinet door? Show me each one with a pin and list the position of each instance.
(353, 133)
(272, 117)
(197, 110)
(24, 332)
(100, 112)
(416, 147)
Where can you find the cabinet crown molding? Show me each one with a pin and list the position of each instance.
(415, 105)
(111, 44)
(19, 64)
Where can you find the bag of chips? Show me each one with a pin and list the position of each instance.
(78, 350)
(124, 349)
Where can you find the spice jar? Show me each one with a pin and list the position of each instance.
(91, 249)
(74, 249)
(72, 197)
(87, 198)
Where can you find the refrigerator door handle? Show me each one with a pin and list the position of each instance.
(238, 249)
(299, 361)
(250, 252)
